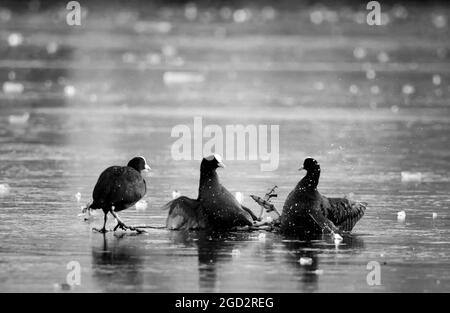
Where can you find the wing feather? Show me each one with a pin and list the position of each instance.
(344, 213)
(184, 213)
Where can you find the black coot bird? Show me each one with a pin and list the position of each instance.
(118, 188)
(306, 211)
(214, 209)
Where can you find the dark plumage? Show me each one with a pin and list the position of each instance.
(118, 188)
(307, 211)
(215, 208)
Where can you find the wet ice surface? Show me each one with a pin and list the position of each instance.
(93, 98)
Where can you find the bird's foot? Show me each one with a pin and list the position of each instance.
(100, 230)
(125, 227)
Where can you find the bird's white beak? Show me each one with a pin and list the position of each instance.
(147, 168)
(301, 168)
(220, 164)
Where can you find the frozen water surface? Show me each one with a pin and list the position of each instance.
(82, 99)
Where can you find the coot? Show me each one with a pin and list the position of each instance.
(118, 188)
(215, 207)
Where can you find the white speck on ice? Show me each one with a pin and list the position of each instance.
(15, 39)
(316, 17)
(12, 88)
(241, 15)
(319, 86)
(305, 261)
(375, 90)
(439, 20)
(239, 197)
(171, 78)
(69, 91)
(401, 215)
(4, 189)
(190, 11)
(434, 215)
(353, 89)
(383, 57)
(395, 109)
(411, 176)
(337, 238)
(141, 205)
(52, 47)
(78, 196)
(359, 53)
(408, 89)
(436, 79)
(19, 119)
(175, 194)
(262, 237)
(371, 74)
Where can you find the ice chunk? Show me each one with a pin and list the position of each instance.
(235, 253)
(19, 119)
(4, 189)
(171, 78)
(11, 87)
(411, 176)
(318, 272)
(401, 215)
(262, 237)
(305, 261)
(337, 238)
(434, 215)
(78, 196)
(175, 194)
(15, 39)
(141, 205)
(239, 197)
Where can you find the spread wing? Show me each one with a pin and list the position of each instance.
(344, 213)
(184, 213)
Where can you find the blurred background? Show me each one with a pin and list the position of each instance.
(371, 103)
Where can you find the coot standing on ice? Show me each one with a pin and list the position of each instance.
(307, 211)
(118, 188)
(215, 207)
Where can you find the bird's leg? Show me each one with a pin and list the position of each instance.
(103, 229)
(122, 225)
